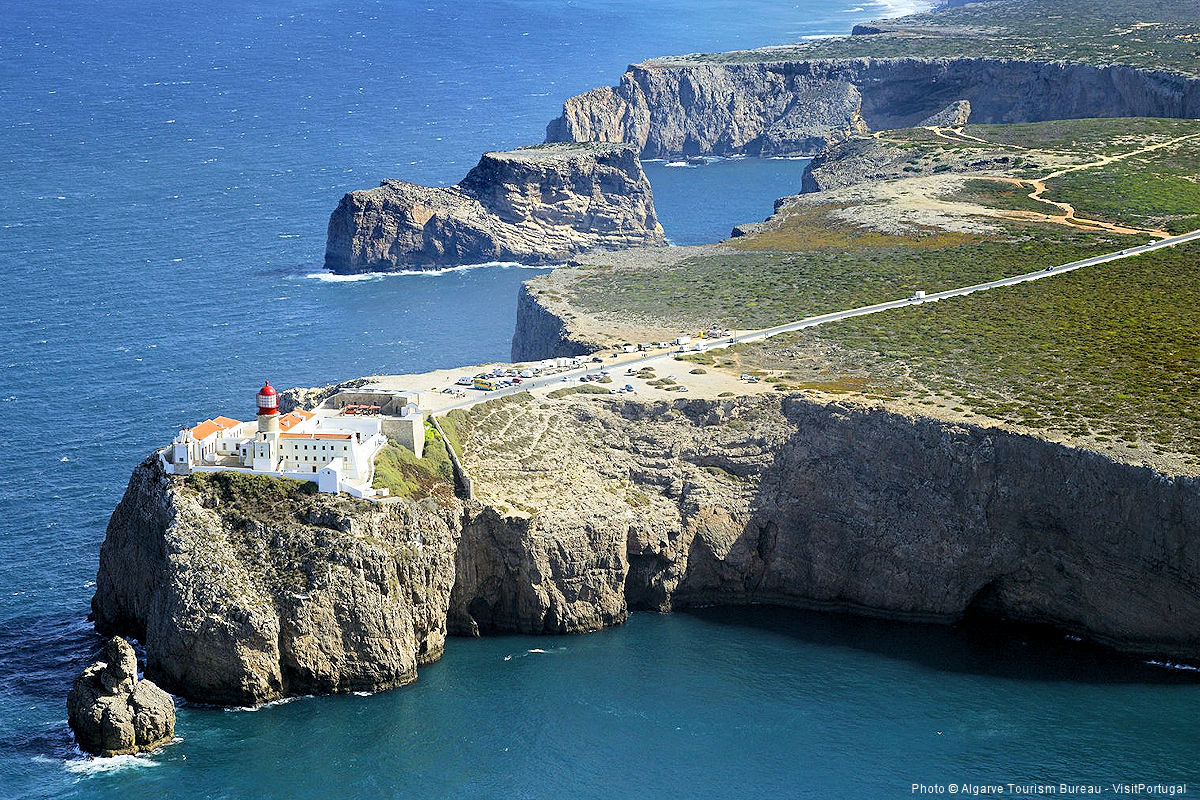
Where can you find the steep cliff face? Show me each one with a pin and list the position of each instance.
(677, 108)
(531, 205)
(244, 589)
(516, 575)
(832, 506)
(541, 334)
(590, 506)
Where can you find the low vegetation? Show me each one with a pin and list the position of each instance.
(814, 263)
(255, 496)
(586, 388)
(1138, 33)
(1109, 354)
(398, 469)
(1000, 194)
(1156, 189)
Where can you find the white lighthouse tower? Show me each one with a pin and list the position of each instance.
(266, 441)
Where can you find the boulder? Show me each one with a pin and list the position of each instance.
(112, 712)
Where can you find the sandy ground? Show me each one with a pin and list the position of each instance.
(711, 383)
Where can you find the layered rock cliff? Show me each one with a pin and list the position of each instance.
(531, 205)
(789, 501)
(590, 506)
(541, 334)
(669, 108)
(246, 588)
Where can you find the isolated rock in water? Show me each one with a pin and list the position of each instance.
(112, 712)
(533, 205)
(954, 115)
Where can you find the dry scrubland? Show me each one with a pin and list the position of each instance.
(1108, 356)
(1044, 30)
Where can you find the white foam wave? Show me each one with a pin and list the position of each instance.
(1174, 665)
(85, 765)
(283, 701)
(901, 8)
(332, 277)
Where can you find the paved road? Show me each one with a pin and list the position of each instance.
(571, 377)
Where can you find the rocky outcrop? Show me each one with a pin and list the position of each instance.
(541, 334)
(952, 116)
(865, 159)
(669, 109)
(246, 588)
(710, 109)
(533, 205)
(112, 712)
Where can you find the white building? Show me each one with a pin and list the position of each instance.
(335, 447)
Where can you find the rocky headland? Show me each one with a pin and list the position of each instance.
(760, 105)
(247, 588)
(532, 205)
(588, 506)
(245, 591)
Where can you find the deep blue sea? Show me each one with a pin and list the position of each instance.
(166, 173)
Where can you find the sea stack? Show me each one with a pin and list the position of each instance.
(112, 712)
(532, 205)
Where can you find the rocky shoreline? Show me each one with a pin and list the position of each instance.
(245, 593)
(244, 590)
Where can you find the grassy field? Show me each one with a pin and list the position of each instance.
(398, 470)
(1110, 353)
(1159, 189)
(460, 423)
(1139, 33)
(1088, 136)
(814, 264)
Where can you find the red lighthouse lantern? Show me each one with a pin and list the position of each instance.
(268, 400)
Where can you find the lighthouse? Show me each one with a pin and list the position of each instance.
(265, 449)
(268, 409)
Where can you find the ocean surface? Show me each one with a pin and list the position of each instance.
(166, 174)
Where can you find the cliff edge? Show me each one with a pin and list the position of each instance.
(771, 103)
(532, 205)
(244, 589)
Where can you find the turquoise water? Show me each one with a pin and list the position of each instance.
(167, 174)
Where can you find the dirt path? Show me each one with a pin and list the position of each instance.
(1067, 214)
